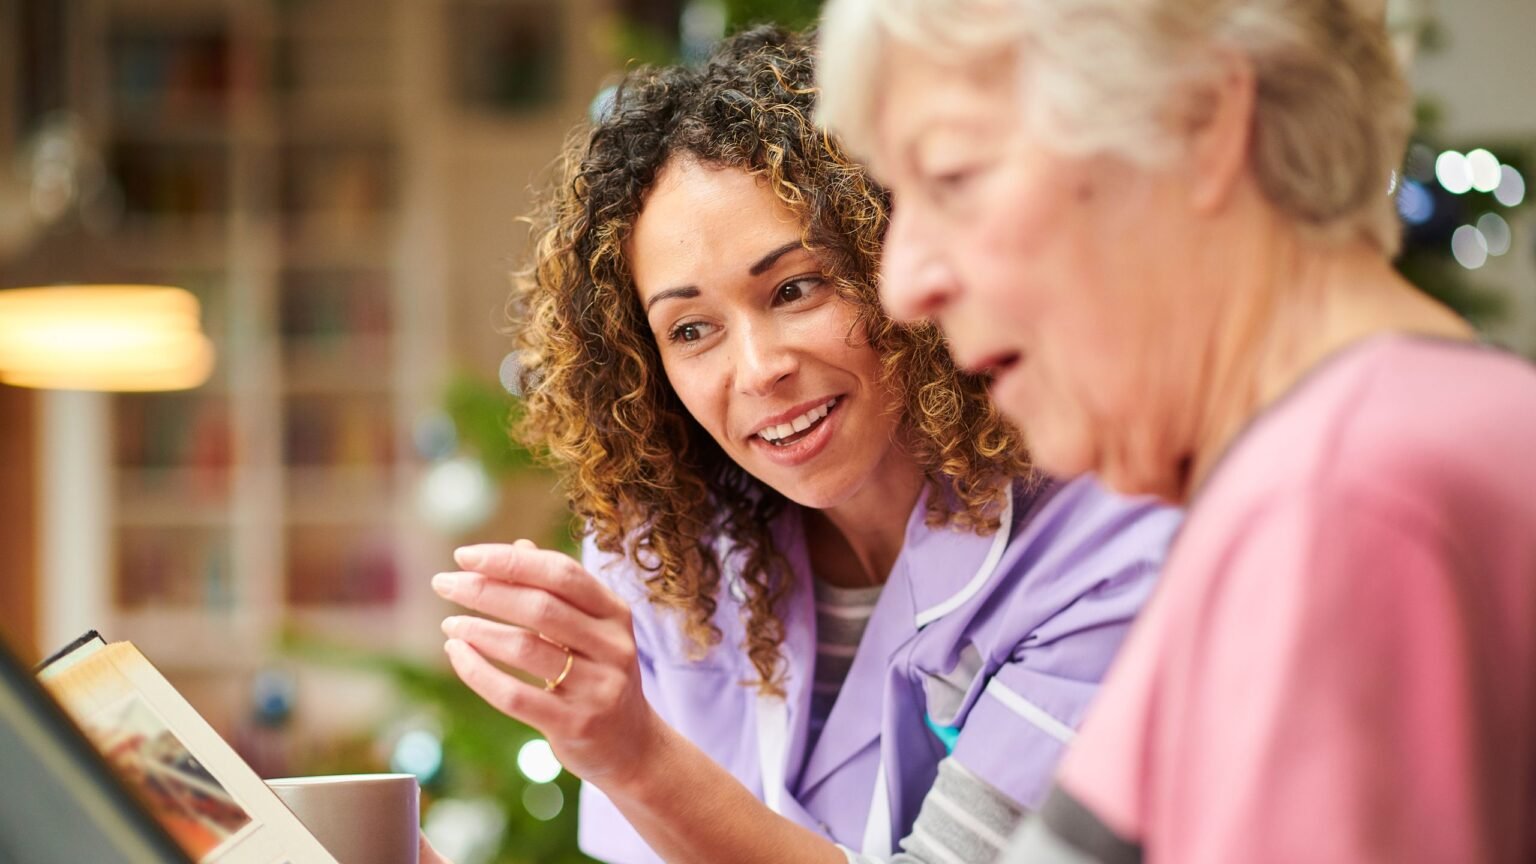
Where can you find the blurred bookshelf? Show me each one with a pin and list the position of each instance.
(262, 153)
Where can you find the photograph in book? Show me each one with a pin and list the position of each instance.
(193, 806)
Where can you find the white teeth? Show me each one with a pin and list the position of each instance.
(776, 433)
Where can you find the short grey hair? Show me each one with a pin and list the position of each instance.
(1332, 113)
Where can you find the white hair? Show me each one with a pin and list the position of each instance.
(1332, 110)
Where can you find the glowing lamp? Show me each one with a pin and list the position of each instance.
(102, 337)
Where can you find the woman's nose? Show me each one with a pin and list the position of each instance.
(915, 284)
(763, 360)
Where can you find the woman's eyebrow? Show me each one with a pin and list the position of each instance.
(768, 260)
(688, 292)
(684, 292)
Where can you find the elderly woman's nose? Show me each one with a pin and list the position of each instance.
(763, 359)
(914, 282)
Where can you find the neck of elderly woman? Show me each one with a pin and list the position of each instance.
(1290, 300)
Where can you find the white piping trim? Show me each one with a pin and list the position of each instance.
(877, 828)
(772, 741)
(988, 564)
(1031, 712)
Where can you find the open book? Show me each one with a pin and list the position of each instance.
(193, 783)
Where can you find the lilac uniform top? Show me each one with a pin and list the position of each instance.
(1340, 663)
(986, 647)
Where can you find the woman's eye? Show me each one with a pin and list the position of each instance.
(797, 289)
(691, 331)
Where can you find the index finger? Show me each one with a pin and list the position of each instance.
(559, 574)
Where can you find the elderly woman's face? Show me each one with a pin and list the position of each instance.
(761, 350)
(1033, 263)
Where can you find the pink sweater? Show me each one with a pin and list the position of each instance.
(1340, 662)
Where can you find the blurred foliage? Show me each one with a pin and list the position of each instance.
(484, 414)
(639, 39)
(794, 14)
(480, 746)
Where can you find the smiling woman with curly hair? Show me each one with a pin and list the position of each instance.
(821, 579)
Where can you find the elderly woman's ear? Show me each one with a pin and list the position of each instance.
(1219, 133)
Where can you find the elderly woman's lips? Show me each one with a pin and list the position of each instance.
(995, 364)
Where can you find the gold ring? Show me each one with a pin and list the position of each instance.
(570, 660)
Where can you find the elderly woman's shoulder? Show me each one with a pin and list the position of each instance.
(1406, 423)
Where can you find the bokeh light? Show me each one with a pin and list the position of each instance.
(1484, 170)
(543, 801)
(1453, 172)
(1420, 163)
(537, 761)
(510, 373)
(1496, 232)
(1414, 203)
(1511, 189)
(418, 752)
(1470, 247)
(457, 494)
(465, 830)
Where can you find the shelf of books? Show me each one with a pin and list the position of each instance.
(257, 149)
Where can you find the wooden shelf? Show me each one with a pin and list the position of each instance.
(194, 243)
(195, 638)
(265, 159)
(319, 365)
(173, 513)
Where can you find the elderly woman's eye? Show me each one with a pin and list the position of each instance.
(949, 182)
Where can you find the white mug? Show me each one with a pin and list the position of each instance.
(358, 818)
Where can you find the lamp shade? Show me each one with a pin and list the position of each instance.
(102, 337)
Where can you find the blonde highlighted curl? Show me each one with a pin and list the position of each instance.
(648, 480)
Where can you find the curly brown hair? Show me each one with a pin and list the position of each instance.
(649, 480)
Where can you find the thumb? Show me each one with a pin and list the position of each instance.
(427, 854)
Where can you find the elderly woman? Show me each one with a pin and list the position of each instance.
(1163, 229)
(822, 589)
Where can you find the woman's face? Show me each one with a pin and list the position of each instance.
(1042, 270)
(754, 339)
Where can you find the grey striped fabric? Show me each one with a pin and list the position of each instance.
(841, 616)
(1066, 832)
(963, 821)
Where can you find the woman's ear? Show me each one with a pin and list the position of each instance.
(1218, 132)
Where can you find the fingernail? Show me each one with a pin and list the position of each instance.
(469, 557)
(447, 583)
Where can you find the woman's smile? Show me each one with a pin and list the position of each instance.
(800, 439)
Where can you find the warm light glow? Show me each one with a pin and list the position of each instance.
(102, 337)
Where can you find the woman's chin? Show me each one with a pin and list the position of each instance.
(813, 496)
(1125, 477)
(1060, 455)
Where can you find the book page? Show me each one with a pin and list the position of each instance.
(206, 796)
